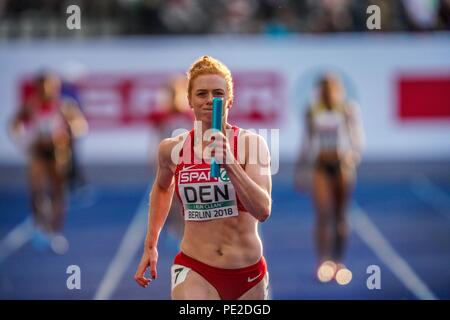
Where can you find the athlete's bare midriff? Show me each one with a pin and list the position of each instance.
(228, 243)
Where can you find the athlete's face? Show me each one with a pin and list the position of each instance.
(49, 87)
(331, 91)
(204, 88)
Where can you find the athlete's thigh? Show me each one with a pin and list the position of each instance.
(258, 292)
(189, 285)
(57, 177)
(322, 193)
(37, 172)
(343, 185)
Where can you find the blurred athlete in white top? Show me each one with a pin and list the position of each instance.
(331, 148)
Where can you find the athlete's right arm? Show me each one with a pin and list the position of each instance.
(160, 202)
(17, 128)
(18, 119)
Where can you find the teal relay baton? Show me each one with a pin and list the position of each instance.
(216, 125)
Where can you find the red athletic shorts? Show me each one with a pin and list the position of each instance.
(229, 283)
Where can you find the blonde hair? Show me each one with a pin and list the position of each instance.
(209, 65)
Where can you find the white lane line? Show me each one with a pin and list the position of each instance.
(369, 233)
(15, 239)
(130, 244)
(432, 195)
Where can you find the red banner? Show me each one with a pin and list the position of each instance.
(113, 100)
(424, 97)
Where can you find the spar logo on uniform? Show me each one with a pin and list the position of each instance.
(198, 176)
(198, 186)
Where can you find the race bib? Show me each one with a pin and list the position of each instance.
(328, 139)
(327, 126)
(205, 197)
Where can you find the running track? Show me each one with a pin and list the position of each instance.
(402, 226)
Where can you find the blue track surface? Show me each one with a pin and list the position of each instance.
(417, 228)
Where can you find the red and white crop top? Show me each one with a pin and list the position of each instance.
(203, 196)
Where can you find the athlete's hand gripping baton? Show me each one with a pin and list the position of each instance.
(216, 125)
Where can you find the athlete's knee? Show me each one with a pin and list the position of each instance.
(322, 221)
(324, 209)
(342, 226)
(57, 194)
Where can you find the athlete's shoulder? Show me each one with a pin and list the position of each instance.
(309, 110)
(315, 108)
(351, 107)
(250, 136)
(167, 145)
(248, 133)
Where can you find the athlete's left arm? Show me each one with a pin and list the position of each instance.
(253, 184)
(75, 118)
(356, 131)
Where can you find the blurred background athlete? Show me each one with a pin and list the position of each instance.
(331, 151)
(44, 127)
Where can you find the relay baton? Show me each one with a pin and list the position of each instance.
(216, 125)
